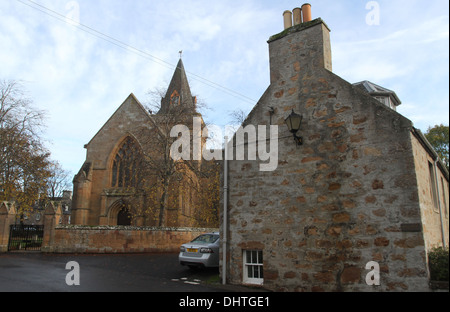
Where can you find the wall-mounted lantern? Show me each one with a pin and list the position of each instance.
(293, 123)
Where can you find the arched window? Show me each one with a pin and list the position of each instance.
(126, 167)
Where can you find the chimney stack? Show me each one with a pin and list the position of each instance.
(305, 10)
(310, 36)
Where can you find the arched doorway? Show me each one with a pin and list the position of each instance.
(124, 216)
(120, 213)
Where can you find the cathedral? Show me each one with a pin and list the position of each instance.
(129, 177)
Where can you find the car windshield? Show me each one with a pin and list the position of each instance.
(206, 238)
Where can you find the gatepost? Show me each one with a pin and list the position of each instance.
(7, 217)
(52, 216)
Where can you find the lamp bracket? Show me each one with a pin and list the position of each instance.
(298, 139)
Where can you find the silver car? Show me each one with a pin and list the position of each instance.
(201, 252)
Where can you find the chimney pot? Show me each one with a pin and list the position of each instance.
(287, 17)
(306, 10)
(297, 16)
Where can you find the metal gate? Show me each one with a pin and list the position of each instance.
(25, 237)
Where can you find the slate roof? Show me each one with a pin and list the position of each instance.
(376, 90)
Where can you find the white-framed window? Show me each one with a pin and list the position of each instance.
(253, 267)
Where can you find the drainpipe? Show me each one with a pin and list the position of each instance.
(439, 200)
(225, 214)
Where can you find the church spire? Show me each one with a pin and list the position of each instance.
(178, 92)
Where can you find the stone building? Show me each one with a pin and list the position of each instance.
(36, 214)
(364, 196)
(120, 182)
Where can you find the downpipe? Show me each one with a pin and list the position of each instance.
(439, 201)
(225, 214)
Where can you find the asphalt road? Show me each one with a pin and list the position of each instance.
(38, 272)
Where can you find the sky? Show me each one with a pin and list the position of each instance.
(79, 60)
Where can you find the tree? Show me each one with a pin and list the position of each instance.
(208, 195)
(238, 116)
(438, 136)
(58, 182)
(24, 161)
(166, 185)
(158, 161)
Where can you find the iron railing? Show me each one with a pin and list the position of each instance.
(25, 237)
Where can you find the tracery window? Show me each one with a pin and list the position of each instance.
(126, 165)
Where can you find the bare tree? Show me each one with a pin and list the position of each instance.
(16, 111)
(158, 161)
(164, 182)
(58, 182)
(238, 116)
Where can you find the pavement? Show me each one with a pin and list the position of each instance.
(40, 272)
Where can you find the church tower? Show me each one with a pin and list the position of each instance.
(179, 107)
(178, 93)
(108, 190)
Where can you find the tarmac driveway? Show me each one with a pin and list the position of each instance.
(38, 272)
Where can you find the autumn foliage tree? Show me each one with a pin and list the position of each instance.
(438, 136)
(25, 165)
(168, 188)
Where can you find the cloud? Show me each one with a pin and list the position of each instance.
(81, 79)
(393, 55)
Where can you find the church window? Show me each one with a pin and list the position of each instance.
(125, 172)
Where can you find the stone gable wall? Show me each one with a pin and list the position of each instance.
(348, 196)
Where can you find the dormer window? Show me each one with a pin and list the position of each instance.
(386, 101)
(383, 95)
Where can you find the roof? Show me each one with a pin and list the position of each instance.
(131, 100)
(376, 90)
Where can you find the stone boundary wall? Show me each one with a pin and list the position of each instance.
(99, 239)
(119, 239)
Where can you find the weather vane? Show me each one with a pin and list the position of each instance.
(181, 53)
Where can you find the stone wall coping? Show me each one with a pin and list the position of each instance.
(133, 228)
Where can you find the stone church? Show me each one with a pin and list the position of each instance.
(129, 178)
